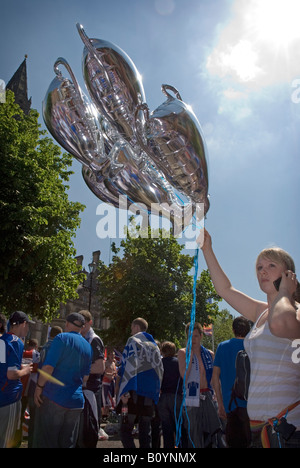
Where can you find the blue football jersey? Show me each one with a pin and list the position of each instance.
(11, 352)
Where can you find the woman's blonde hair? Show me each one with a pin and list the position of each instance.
(278, 255)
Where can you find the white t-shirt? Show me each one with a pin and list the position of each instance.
(275, 378)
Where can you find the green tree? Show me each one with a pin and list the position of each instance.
(223, 327)
(150, 277)
(206, 299)
(38, 221)
(222, 330)
(151, 280)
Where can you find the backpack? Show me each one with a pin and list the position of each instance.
(242, 379)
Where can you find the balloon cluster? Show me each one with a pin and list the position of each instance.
(157, 160)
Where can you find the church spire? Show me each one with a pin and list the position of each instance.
(18, 84)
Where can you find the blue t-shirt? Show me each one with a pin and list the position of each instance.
(71, 356)
(225, 360)
(11, 352)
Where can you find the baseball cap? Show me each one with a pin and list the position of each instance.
(19, 317)
(75, 317)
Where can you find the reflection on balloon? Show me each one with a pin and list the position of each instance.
(157, 160)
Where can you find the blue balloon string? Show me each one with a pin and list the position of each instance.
(179, 420)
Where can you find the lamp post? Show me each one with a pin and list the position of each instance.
(92, 268)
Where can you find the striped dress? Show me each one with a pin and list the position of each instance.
(275, 378)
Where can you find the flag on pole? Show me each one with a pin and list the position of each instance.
(208, 330)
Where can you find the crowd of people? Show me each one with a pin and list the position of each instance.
(185, 395)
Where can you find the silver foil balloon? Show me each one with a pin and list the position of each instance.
(113, 83)
(154, 160)
(145, 190)
(72, 119)
(176, 145)
(110, 166)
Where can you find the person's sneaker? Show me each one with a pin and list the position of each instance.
(102, 435)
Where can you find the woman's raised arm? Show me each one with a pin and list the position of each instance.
(245, 305)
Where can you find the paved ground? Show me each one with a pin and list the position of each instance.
(112, 443)
(114, 439)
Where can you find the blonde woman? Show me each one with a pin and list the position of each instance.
(274, 391)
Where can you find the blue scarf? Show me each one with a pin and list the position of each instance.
(208, 363)
(193, 383)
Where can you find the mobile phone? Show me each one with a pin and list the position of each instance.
(277, 283)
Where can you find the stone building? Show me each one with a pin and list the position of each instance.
(88, 296)
(88, 299)
(18, 84)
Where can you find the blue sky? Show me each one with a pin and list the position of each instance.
(235, 62)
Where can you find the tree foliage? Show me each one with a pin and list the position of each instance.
(222, 330)
(37, 219)
(150, 277)
(223, 327)
(206, 300)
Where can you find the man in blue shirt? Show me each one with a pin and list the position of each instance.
(59, 396)
(11, 372)
(222, 381)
